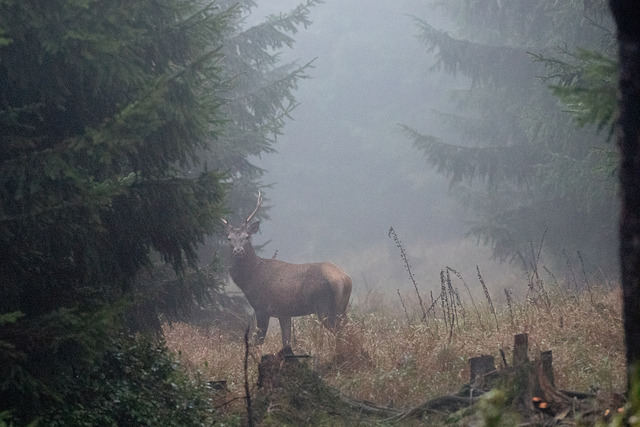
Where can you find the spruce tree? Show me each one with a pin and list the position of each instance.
(124, 125)
(103, 105)
(260, 97)
(529, 166)
(258, 100)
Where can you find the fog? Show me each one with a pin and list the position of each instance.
(344, 173)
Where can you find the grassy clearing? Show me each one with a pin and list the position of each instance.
(391, 356)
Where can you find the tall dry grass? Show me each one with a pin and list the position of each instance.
(391, 356)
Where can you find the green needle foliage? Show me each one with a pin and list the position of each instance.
(259, 97)
(102, 105)
(123, 126)
(521, 159)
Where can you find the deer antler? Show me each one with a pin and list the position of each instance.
(256, 209)
(225, 222)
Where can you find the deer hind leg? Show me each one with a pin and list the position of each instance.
(342, 302)
(329, 322)
(328, 317)
(327, 309)
(285, 327)
(262, 320)
(334, 313)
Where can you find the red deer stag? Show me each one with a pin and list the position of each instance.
(282, 290)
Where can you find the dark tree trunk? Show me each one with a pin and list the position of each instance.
(627, 16)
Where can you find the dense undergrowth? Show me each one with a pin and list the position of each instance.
(135, 381)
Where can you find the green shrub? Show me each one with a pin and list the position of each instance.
(137, 382)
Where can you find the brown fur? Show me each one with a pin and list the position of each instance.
(279, 289)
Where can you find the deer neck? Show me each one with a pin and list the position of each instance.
(243, 269)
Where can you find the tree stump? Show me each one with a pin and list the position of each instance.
(547, 365)
(520, 349)
(273, 369)
(481, 365)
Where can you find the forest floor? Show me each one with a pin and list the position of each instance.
(392, 360)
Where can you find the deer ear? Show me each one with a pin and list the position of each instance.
(253, 228)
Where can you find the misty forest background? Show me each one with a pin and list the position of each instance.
(479, 130)
(535, 168)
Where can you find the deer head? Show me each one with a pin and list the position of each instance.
(240, 237)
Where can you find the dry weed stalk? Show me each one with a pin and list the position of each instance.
(538, 281)
(444, 301)
(534, 282)
(473, 301)
(488, 297)
(454, 304)
(433, 304)
(403, 255)
(247, 389)
(404, 307)
(555, 281)
(510, 304)
(433, 310)
(570, 267)
(459, 305)
(584, 274)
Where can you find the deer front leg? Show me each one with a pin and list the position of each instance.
(262, 319)
(285, 327)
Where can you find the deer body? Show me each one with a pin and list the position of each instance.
(282, 290)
